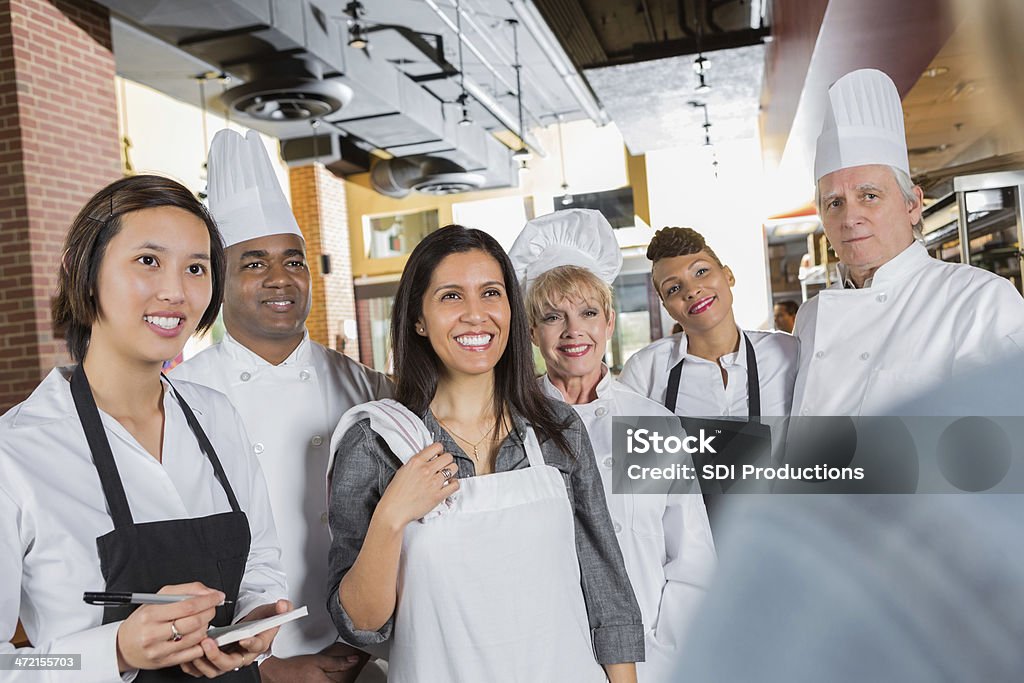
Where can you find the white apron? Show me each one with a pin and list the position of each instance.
(490, 590)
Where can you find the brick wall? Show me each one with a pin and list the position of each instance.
(58, 146)
(318, 200)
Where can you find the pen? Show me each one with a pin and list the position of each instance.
(118, 598)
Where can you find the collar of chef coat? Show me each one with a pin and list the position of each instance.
(52, 401)
(302, 355)
(738, 357)
(899, 267)
(604, 387)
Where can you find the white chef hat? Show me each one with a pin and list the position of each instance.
(574, 237)
(863, 125)
(243, 193)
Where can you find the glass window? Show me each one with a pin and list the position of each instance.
(380, 333)
(396, 234)
(632, 292)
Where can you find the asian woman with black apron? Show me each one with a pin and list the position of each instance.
(122, 448)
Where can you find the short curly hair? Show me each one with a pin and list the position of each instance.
(670, 242)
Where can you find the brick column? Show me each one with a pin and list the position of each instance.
(58, 146)
(318, 200)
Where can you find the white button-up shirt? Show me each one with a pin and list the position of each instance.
(926, 338)
(701, 392)
(290, 411)
(52, 510)
(665, 538)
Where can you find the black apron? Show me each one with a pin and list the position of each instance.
(737, 441)
(142, 558)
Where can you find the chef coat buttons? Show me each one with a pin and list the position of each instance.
(607, 462)
(323, 518)
(317, 440)
(304, 375)
(819, 354)
(805, 411)
(881, 298)
(601, 412)
(617, 527)
(245, 377)
(865, 355)
(257, 448)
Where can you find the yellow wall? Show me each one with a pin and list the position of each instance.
(594, 161)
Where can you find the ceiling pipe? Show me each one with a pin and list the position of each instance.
(549, 45)
(544, 97)
(473, 88)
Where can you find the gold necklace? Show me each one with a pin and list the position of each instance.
(475, 446)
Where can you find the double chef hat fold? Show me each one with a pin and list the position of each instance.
(863, 125)
(244, 195)
(574, 237)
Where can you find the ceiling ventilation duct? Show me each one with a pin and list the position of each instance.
(429, 175)
(287, 90)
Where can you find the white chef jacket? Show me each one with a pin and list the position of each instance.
(52, 510)
(290, 411)
(926, 338)
(701, 393)
(665, 538)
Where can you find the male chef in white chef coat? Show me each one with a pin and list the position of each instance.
(289, 390)
(902, 332)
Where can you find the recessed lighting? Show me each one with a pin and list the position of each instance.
(936, 71)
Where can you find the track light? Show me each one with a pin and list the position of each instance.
(357, 37)
(701, 64)
(567, 198)
(702, 85)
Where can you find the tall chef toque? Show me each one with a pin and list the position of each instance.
(574, 237)
(863, 125)
(243, 193)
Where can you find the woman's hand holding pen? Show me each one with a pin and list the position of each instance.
(157, 636)
(214, 661)
(419, 486)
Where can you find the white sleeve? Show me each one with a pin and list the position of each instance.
(689, 566)
(632, 375)
(97, 646)
(264, 579)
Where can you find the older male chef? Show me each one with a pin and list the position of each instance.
(902, 333)
(289, 390)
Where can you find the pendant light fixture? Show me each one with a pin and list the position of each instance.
(702, 63)
(463, 98)
(522, 155)
(357, 36)
(707, 134)
(567, 198)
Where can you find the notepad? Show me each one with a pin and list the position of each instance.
(225, 635)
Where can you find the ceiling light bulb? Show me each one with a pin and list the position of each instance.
(567, 198)
(357, 37)
(522, 154)
(466, 120)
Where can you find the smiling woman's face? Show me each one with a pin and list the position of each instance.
(696, 291)
(154, 285)
(466, 313)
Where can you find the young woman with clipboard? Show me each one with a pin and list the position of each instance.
(113, 479)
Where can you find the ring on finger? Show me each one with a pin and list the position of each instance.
(175, 634)
(446, 473)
